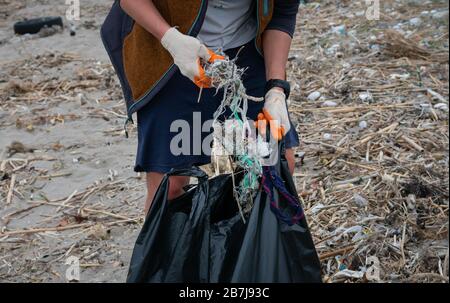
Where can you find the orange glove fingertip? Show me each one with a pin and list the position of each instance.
(213, 56)
(202, 80)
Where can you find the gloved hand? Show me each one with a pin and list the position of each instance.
(275, 109)
(187, 52)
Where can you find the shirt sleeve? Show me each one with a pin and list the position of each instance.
(284, 16)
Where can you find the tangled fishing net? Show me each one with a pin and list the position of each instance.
(234, 134)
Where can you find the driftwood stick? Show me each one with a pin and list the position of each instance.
(11, 189)
(59, 228)
(334, 253)
(43, 229)
(412, 143)
(89, 210)
(67, 200)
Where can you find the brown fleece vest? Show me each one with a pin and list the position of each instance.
(146, 61)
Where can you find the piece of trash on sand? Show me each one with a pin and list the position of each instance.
(362, 125)
(329, 104)
(415, 21)
(327, 136)
(440, 15)
(441, 106)
(399, 76)
(316, 208)
(360, 200)
(333, 49)
(425, 108)
(34, 26)
(347, 274)
(365, 97)
(340, 29)
(314, 96)
(73, 29)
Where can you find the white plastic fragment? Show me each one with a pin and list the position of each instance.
(340, 29)
(426, 108)
(359, 236)
(332, 49)
(441, 106)
(316, 208)
(359, 200)
(314, 96)
(362, 125)
(398, 26)
(375, 47)
(365, 97)
(327, 136)
(399, 76)
(346, 65)
(329, 104)
(440, 15)
(415, 21)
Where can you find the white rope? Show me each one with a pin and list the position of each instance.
(227, 76)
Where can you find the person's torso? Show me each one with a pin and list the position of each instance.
(228, 24)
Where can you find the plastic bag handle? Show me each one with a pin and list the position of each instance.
(202, 189)
(189, 172)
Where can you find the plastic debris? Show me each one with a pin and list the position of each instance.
(329, 104)
(360, 200)
(440, 15)
(365, 97)
(327, 136)
(415, 21)
(347, 274)
(441, 106)
(314, 96)
(233, 134)
(340, 29)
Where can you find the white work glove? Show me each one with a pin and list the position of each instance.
(275, 109)
(186, 52)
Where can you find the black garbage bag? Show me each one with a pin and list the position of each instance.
(201, 237)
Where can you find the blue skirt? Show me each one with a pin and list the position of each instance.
(179, 100)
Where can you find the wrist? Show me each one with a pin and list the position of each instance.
(160, 33)
(169, 37)
(279, 85)
(278, 89)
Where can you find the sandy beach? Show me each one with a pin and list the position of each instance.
(370, 101)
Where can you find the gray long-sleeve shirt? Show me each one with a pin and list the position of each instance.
(232, 23)
(228, 24)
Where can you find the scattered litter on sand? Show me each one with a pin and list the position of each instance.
(372, 168)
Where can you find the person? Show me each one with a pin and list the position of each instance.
(156, 48)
